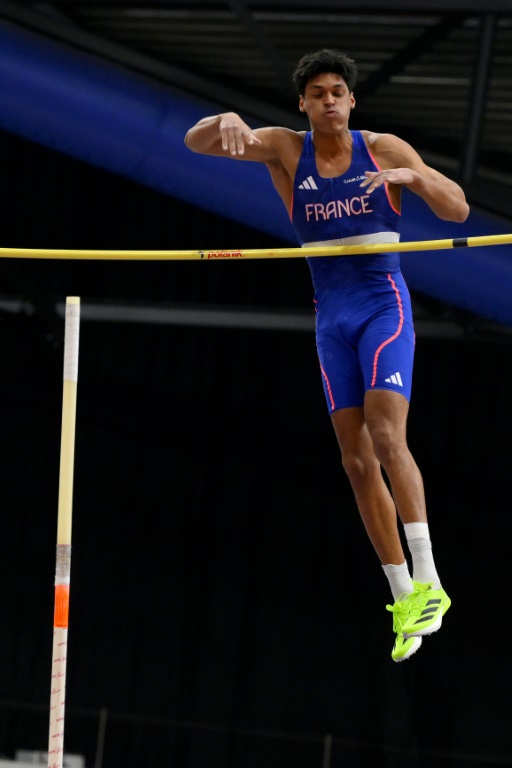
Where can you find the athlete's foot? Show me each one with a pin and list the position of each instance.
(404, 647)
(424, 608)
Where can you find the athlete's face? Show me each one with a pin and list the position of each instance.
(327, 102)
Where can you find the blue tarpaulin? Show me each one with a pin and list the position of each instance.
(111, 117)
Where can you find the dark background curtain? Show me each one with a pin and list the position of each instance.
(227, 609)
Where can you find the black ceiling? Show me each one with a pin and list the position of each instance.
(438, 74)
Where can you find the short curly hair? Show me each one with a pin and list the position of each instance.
(313, 64)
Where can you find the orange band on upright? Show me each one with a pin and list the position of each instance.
(61, 615)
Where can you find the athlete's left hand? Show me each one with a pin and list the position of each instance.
(376, 179)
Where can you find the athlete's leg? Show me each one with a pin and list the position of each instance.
(373, 498)
(386, 417)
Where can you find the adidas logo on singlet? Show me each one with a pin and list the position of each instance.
(308, 183)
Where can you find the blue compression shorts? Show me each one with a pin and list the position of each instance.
(365, 339)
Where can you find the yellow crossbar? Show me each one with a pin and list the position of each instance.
(256, 253)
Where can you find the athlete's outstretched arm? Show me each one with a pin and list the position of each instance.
(220, 134)
(401, 164)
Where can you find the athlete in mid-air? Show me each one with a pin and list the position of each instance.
(343, 187)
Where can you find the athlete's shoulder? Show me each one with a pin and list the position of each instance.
(279, 133)
(373, 139)
(284, 145)
(280, 137)
(390, 150)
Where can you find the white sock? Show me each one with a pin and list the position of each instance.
(399, 579)
(420, 547)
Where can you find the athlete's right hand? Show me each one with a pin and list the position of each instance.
(235, 134)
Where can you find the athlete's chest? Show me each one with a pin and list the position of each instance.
(336, 164)
(331, 168)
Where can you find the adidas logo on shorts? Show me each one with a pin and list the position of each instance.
(395, 378)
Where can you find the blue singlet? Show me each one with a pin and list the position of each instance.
(364, 327)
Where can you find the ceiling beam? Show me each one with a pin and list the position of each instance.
(168, 74)
(428, 324)
(377, 6)
(409, 53)
(242, 9)
(478, 96)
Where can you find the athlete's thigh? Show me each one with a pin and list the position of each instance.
(339, 361)
(352, 432)
(386, 348)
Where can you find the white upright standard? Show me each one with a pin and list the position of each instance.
(63, 556)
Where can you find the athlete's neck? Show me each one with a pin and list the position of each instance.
(333, 152)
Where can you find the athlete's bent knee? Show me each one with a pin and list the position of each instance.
(360, 469)
(389, 445)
